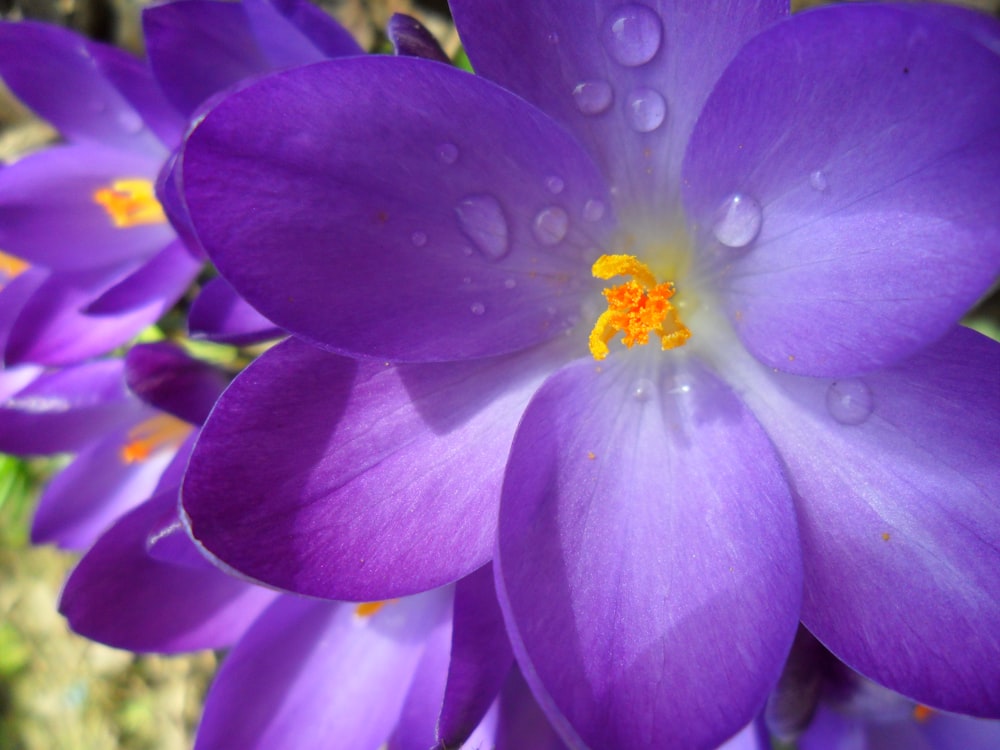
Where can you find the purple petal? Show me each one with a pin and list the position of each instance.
(628, 79)
(897, 481)
(105, 480)
(164, 376)
(417, 726)
(411, 38)
(349, 470)
(521, 725)
(64, 410)
(67, 80)
(49, 213)
(648, 565)
(163, 279)
(120, 596)
(218, 313)
(296, 32)
(480, 658)
(312, 674)
(873, 160)
(320, 228)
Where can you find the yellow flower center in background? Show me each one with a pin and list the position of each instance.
(11, 267)
(130, 202)
(153, 435)
(636, 308)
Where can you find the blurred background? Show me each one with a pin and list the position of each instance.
(59, 691)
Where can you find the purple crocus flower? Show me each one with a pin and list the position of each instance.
(799, 210)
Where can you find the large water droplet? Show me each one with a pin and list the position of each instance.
(593, 210)
(419, 239)
(555, 185)
(593, 97)
(632, 34)
(739, 221)
(551, 225)
(477, 308)
(818, 181)
(850, 402)
(483, 222)
(447, 153)
(646, 109)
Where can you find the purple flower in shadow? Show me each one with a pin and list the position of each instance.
(799, 209)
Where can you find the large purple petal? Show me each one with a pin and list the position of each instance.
(218, 313)
(649, 564)
(413, 212)
(49, 214)
(897, 482)
(628, 79)
(319, 675)
(162, 281)
(58, 74)
(120, 596)
(873, 160)
(356, 481)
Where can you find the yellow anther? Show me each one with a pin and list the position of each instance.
(367, 609)
(130, 202)
(922, 713)
(10, 267)
(153, 435)
(636, 308)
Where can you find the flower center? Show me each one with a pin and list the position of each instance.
(10, 267)
(130, 202)
(636, 308)
(367, 609)
(152, 435)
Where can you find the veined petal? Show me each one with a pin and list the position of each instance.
(643, 513)
(870, 165)
(628, 79)
(121, 596)
(441, 237)
(897, 484)
(357, 480)
(312, 675)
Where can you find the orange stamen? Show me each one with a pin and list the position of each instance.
(153, 435)
(130, 202)
(11, 266)
(367, 609)
(636, 308)
(922, 713)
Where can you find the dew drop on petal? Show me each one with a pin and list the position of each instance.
(483, 222)
(466, 280)
(130, 121)
(477, 308)
(643, 391)
(632, 34)
(593, 97)
(555, 185)
(646, 110)
(850, 402)
(419, 239)
(739, 221)
(510, 283)
(447, 153)
(818, 181)
(551, 225)
(552, 37)
(593, 210)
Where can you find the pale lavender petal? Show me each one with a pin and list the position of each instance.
(628, 79)
(327, 476)
(644, 513)
(869, 166)
(417, 726)
(324, 233)
(897, 481)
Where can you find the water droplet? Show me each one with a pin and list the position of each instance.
(593, 210)
(467, 251)
(646, 110)
(632, 34)
(643, 390)
(850, 402)
(552, 37)
(551, 225)
(419, 239)
(477, 308)
(555, 185)
(739, 221)
(447, 153)
(817, 181)
(466, 280)
(593, 97)
(483, 222)
(510, 283)
(130, 121)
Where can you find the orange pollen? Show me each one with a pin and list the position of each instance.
(130, 202)
(636, 308)
(922, 713)
(367, 609)
(153, 435)
(11, 267)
